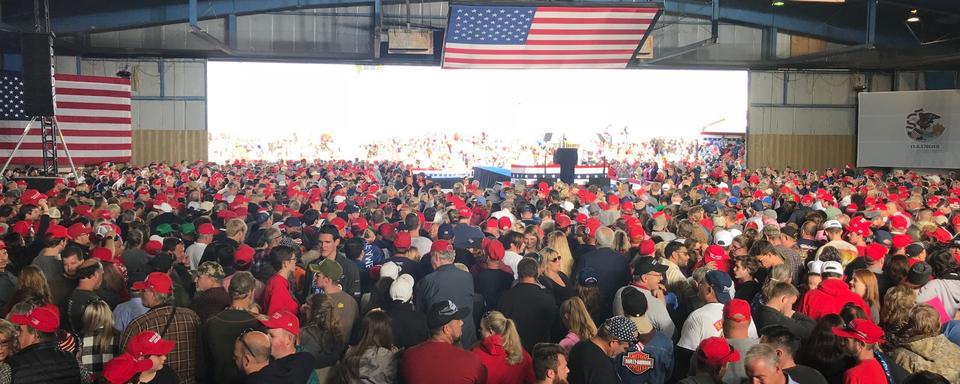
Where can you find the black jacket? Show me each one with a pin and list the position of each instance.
(533, 309)
(799, 324)
(612, 273)
(44, 363)
(409, 326)
(295, 368)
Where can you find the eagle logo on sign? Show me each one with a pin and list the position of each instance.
(922, 126)
(637, 362)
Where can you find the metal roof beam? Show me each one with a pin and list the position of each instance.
(787, 22)
(181, 12)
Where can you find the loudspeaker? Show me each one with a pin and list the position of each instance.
(567, 158)
(37, 52)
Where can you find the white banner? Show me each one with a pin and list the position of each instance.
(917, 129)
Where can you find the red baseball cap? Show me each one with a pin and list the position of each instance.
(716, 351)
(283, 319)
(636, 232)
(207, 229)
(737, 310)
(898, 222)
(718, 254)
(84, 210)
(465, 213)
(492, 223)
(593, 224)
(563, 221)
(149, 343)
(339, 222)
(504, 223)
(359, 224)
(31, 197)
(244, 254)
(852, 208)
(121, 368)
(22, 228)
(440, 245)
(902, 240)
(102, 253)
(388, 230)
(493, 249)
(156, 281)
(942, 235)
(876, 252)
(647, 247)
(40, 318)
(402, 241)
(626, 206)
(860, 329)
(58, 232)
(78, 229)
(153, 247)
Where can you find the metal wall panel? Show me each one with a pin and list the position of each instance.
(813, 127)
(800, 151)
(168, 146)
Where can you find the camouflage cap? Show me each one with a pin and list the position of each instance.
(212, 269)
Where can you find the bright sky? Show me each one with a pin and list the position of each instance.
(357, 102)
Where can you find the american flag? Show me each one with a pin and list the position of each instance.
(93, 114)
(480, 36)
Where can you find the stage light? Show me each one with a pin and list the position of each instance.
(778, 3)
(913, 16)
(123, 73)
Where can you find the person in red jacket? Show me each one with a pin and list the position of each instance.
(501, 351)
(831, 295)
(276, 295)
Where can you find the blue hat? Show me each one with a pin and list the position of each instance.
(445, 232)
(587, 277)
(767, 200)
(722, 285)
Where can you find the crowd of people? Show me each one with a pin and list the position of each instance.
(366, 272)
(457, 152)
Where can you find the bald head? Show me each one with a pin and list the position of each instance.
(257, 346)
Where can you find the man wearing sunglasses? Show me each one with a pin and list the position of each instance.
(590, 359)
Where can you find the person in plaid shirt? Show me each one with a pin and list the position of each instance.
(178, 324)
(98, 344)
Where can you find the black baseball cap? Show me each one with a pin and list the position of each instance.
(444, 312)
(646, 265)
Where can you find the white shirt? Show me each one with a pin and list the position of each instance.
(656, 311)
(422, 244)
(194, 252)
(706, 321)
(511, 259)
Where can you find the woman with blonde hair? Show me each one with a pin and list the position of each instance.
(558, 241)
(99, 342)
(531, 237)
(864, 283)
(552, 278)
(621, 242)
(500, 351)
(925, 348)
(576, 318)
(8, 346)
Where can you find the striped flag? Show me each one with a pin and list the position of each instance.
(480, 36)
(93, 113)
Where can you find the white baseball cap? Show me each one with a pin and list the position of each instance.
(723, 238)
(832, 224)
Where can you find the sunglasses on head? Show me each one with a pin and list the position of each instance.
(244, 342)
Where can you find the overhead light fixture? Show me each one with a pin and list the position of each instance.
(913, 16)
(778, 3)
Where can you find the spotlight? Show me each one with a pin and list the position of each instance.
(123, 73)
(913, 16)
(778, 3)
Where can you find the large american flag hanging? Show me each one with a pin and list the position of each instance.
(93, 113)
(481, 36)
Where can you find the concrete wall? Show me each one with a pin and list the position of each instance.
(809, 119)
(168, 104)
